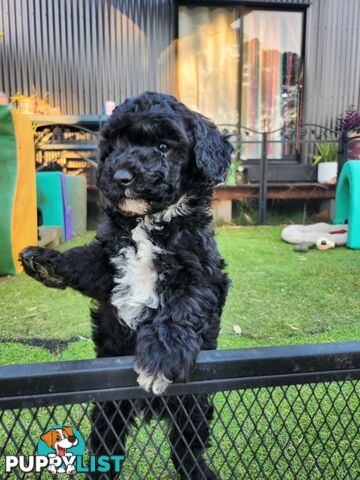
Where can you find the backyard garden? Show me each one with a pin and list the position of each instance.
(278, 296)
(256, 109)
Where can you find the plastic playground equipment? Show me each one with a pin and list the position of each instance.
(18, 218)
(347, 201)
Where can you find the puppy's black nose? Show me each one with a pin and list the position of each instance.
(123, 177)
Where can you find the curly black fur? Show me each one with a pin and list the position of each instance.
(158, 164)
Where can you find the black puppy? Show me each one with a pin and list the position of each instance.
(153, 268)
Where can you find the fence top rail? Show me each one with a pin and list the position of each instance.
(292, 127)
(296, 128)
(215, 370)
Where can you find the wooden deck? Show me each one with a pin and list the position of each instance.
(277, 191)
(224, 195)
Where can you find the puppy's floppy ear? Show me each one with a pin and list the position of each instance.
(212, 150)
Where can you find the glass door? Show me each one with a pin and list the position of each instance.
(241, 66)
(271, 71)
(208, 62)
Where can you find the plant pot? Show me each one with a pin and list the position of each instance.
(327, 171)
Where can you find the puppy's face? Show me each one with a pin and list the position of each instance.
(144, 164)
(153, 150)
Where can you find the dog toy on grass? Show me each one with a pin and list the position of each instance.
(321, 235)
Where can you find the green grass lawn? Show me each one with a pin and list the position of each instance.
(277, 297)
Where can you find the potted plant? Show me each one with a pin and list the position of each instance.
(326, 161)
(235, 174)
(349, 122)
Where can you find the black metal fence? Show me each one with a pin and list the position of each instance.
(74, 147)
(291, 145)
(273, 413)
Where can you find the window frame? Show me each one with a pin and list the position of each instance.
(241, 5)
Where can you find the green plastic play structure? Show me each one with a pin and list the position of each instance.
(50, 201)
(62, 201)
(18, 222)
(347, 201)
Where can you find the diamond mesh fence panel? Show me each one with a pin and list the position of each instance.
(308, 431)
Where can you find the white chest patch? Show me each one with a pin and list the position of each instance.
(135, 279)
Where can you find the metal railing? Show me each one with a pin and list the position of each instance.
(290, 144)
(289, 412)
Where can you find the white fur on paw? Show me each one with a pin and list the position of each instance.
(157, 383)
(160, 384)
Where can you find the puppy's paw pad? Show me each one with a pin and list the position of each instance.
(32, 260)
(157, 383)
(37, 266)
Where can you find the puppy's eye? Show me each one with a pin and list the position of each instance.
(163, 147)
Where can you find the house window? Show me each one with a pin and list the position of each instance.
(241, 66)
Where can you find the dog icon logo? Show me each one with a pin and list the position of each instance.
(61, 450)
(62, 445)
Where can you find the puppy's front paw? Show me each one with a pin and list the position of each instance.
(34, 263)
(39, 267)
(164, 354)
(155, 382)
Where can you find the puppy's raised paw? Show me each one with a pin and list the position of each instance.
(35, 264)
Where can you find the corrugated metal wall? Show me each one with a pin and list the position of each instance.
(332, 66)
(247, 2)
(86, 51)
(282, 2)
